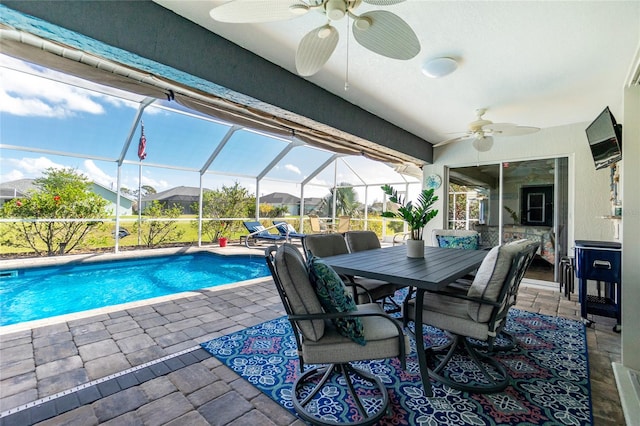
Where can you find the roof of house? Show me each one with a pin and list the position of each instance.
(128, 197)
(279, 198)
(18, 187)
(178, 193)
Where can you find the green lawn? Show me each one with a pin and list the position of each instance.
(102, 237)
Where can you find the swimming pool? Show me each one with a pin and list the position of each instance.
(36, 293)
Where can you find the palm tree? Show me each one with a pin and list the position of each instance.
(346, 201)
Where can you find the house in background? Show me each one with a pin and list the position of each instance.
(315, 205)
(126, 202)
(20, 188)
(14, 189)
(183, 196)
(282, 199)
(312, 205)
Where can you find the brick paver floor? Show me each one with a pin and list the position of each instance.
(142, 365)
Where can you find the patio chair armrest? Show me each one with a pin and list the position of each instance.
(354, 285)
(396, 237)
(333, 315)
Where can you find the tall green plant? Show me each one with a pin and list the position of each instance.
(416, 215)
(222, 205)
(61, 194)
(346, 201)
(156, 232)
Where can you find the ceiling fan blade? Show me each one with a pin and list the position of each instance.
(315, 49)
(255, 11)
(517, 131)
(387, 35)
(448, 141)
(383, 2)
(498, 127)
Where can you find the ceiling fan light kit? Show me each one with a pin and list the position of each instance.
(439, 67)
(483, 130)
(336, 9)
(380, 31)
(483, 143)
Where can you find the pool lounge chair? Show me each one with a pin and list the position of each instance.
(287, 230)
(257, 233)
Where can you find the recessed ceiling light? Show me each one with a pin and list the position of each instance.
(439, 67)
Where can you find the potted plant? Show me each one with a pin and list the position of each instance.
(416, 215)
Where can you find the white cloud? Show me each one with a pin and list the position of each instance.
(96, 174)
(28, 95)
(320, 182)
(26, 167)
(27, 90)
(28, 106)
(12, 175)
(158, 185)
(293, 169)
(34, 166)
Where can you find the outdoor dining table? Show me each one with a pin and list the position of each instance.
(439, 267)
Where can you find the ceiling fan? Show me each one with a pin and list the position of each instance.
(482, 132)
(380, 31)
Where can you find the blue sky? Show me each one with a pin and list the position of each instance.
(40, 113)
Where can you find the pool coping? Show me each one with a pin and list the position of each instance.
(68, 259)
(100, 257)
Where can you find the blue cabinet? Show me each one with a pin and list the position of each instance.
(599, 261)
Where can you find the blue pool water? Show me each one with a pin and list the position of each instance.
(49, 291)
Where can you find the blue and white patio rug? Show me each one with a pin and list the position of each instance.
(549, 372)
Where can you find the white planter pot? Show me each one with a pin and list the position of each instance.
(415, 248)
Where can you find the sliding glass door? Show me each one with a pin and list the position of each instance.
(514, 200)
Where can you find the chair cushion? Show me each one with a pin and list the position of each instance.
(450, 314)
(362, 240)
(294, 276)
(324, 245)
(380, 333)
(451, 233)
(334, 297)
(470, 242)
(490, 278)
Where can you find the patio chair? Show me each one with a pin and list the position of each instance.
(287, 230)
(365, 290)
(368, 240)
(400, 238)
(316, 225)
(123, 232)
(344, 224)
(322, 341)
(478, 314)
(455, 238)
(462, 285)
(257, 233)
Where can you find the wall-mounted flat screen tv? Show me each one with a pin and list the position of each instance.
(605, 139)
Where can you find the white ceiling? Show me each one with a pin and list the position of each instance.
(535, 63)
